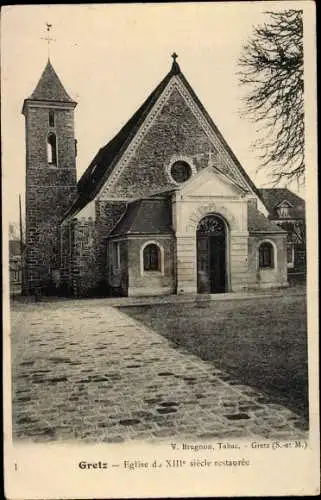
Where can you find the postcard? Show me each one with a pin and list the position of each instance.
(160, 250)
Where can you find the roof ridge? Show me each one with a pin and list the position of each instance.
(107, 156)
(114, 148)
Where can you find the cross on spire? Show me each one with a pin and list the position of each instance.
(175, 67)
(174, 56)
(47, 38)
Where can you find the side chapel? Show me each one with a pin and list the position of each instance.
(164, 208)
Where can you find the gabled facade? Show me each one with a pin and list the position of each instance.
(165, 207)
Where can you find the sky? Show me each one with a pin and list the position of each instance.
(110, 58)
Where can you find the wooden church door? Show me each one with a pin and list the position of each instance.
(211, 255)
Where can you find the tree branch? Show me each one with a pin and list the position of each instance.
(271, 69)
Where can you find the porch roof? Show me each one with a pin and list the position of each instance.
(258, 223)
(146, 216)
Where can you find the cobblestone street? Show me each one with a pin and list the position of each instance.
(82, 370)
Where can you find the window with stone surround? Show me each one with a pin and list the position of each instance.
(152, 258)
(266, 255)
(180, 171)
(52, 149)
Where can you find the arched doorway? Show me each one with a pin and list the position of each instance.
(211, 237)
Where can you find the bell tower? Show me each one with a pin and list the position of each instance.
(50, 177)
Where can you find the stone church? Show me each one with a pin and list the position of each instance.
(164, 208)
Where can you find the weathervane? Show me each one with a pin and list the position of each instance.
(48, 27)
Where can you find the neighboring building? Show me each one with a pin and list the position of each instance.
(15, 265)
(165, 207)
(288, 211)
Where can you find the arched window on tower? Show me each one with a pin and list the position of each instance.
(52, 149)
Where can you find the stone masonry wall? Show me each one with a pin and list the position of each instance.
(66, 245)
(83, 270)
(186, 263)
(276, 276)
(108, 214)
(118, 278)
(239, 268)
(84, 254)
(175, 131)
(50, 191)
(151, 282)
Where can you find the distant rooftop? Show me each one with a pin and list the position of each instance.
(272, 197)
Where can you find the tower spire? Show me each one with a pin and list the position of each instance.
(47, 38)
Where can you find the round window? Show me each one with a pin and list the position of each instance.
(181, 171)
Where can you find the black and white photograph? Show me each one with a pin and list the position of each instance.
(160, 288)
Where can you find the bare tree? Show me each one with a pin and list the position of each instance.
(271, 68)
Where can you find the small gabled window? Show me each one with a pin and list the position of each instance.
(51, 119)
(283, 210)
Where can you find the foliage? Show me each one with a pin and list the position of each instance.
(271, 68)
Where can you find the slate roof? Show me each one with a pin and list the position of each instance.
(49, 87)
(106, 159)
(258, 223)
(274, 196)
(153, 216)
(146, 216)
